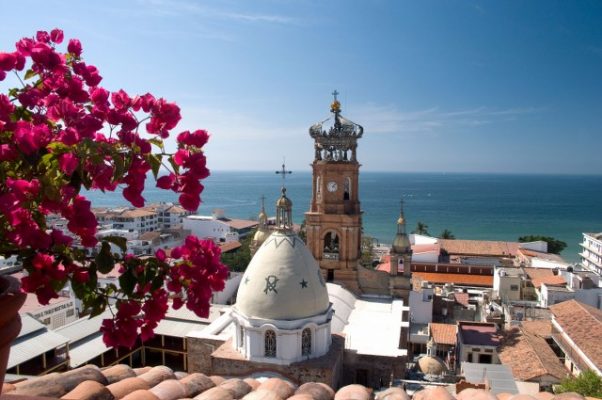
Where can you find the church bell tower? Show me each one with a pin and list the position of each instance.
(334, 221)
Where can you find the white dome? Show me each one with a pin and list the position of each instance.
(282, 282)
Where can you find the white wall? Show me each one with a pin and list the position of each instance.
(56, 314)
(229, 290)
(421, 308)
(539, 246)
(551, 297)
(206, 227)
(426, 257)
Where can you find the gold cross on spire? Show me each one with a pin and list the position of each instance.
(335, 107)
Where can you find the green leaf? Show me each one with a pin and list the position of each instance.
(58, 147)
(118, 241)
(119, 165)
(127, 282)
(176, 167)
(155, 162)
(29, 74)
(157, 142)
(98, 306)
(105, 260)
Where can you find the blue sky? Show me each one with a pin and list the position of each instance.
(445, 86)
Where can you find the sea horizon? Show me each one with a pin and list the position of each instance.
(477, 206)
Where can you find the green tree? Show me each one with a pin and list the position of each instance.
(238, 260)
(367, 251)
(302, 235)
(555, 246)
(421, 229)
(447, 234)
(587, 383)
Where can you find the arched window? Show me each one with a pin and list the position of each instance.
(306, 342)
(331, 246)
(347, 189)
(270, 343)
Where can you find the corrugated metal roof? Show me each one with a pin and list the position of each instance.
(83, 327)
(180, 329)
(30, 325)
(86, 351)
(499, 376)
(30, 347)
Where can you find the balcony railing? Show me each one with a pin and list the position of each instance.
(330, 256)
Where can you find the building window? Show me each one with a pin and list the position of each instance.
(331, 246)
(242, 336)
(270, 344)
(70, 312)
(306, 342)
(514, 288)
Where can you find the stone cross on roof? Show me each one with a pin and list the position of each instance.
(283, 172)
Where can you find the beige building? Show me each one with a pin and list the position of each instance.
(478, 342)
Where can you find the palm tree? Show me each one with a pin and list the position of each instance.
(421, 229)
(447, 234)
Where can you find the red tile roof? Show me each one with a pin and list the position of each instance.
(241, 223)
(529, 356)
(555, 280)
(583, 324)
(229, 246)
(544, 275)
(443, 333)
(479, 247)
(458, 279)
(461, 298)
(541, 328)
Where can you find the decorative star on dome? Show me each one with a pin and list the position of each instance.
(303, 284)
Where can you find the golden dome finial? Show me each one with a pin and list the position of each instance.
(335, 107)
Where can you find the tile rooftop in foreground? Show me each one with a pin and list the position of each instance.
(162, 383)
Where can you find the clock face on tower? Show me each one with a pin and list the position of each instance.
(332, 186)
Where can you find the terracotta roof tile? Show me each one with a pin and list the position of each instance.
(443, 333)
(458, 279)
(583, 324)
(229, 246)
(161, 383)
(479, 247)
(541, 328)
(555, 280)
(544, 275)
(461, 298)
(241, 223)
(529, 356)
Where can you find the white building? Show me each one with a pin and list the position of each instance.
(591, 256)
(169, 215)
(270, 325)
(219, 228)
(129, 219)
(507, 283)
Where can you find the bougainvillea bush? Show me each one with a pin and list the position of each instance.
(60, 132)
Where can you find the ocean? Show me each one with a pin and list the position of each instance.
(471, 206)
